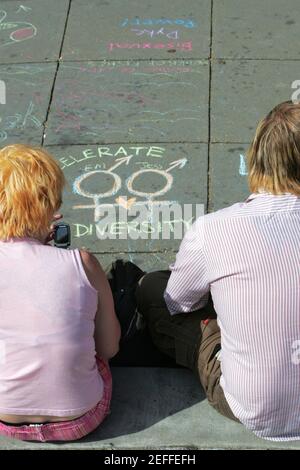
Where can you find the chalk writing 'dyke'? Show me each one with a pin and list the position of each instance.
(19, 121)
(160, 32)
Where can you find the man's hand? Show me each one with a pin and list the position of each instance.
(50, 235)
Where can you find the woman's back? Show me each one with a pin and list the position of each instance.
(47, 348)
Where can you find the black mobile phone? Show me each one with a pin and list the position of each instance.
(62, 235)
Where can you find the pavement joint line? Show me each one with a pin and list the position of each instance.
(55, 75)
(42, 61)
(208, 186)
(135, 252)
(61, 60)
(259, 59)
(84, 144)
(149, 59)
(230, 142)
(170, 142)
(191, 59)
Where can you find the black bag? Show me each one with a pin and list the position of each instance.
(123, 277)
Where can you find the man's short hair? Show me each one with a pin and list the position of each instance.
(274, 155)
(31, 184)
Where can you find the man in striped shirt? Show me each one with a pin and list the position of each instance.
(241, 264)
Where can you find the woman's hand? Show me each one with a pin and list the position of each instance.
(50, 235)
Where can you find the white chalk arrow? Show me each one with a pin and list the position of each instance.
(178, 163)
(21, 7)
(120, 161)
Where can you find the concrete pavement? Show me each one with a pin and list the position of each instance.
(146, 101)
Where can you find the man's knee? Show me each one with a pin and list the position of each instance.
(150, 291)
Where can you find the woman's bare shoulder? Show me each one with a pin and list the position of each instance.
(92, 268)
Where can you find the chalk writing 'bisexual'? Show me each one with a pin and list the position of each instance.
(181, 46)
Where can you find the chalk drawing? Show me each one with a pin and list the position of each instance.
(164, 173)
(18, 121)
(188, 84)
(168, 184)
(22, 30)
(160, 32)
(140, 85)
(187, 23)
(165, 73)
(3, 136)
(23, 8)
(2, 92)
(26, 68)
(243, 166)
(148, 165)
(180, 46)
(117, 182)
(178, 163)
(122, 106)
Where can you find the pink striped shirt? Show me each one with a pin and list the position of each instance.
(248, 256)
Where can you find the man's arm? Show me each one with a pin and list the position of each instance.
(188, 287)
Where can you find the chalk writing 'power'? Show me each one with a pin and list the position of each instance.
(158, 22)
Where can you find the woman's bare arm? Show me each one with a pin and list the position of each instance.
(107, 326)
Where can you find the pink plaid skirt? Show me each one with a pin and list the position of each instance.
(67, 430)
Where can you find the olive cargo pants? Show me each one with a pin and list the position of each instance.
(185, 337)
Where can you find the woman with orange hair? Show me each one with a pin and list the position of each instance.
(58, 327)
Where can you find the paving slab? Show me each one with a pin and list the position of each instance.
(245, 91)
(256, 30)
(27, 93)
(227, 175)
(151, 261)
(118, 190)
(157, 408)
(150, 29)
(31, 31)
(102, 102)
